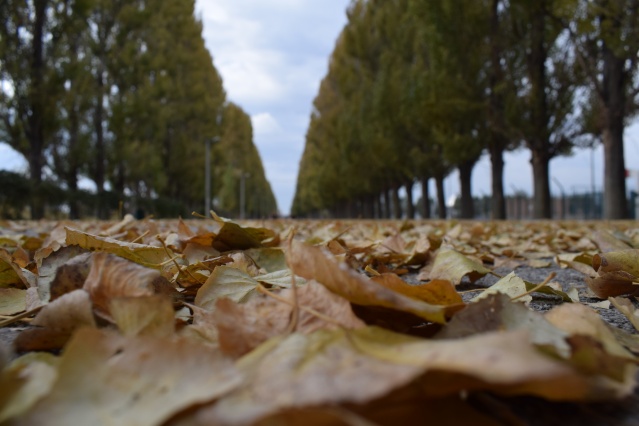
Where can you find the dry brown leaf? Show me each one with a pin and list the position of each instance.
(313, 263)
(59, 319)
(577, 319)
(436, 292)
(11, 274)
(25, 381)
(143, 316)
(12, 301)
(453, 266)
(607, 242)
(142, 254)
(357, 366)
(626, 307)
(63, 271)
(225, 281)
(243, 327)
(510, 285)
(111, 276)
(104, 378)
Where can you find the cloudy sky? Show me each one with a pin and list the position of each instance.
(272, 55)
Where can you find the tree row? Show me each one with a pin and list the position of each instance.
(418, 89)
(124, 93)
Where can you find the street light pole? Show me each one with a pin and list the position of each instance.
(243, 177)
(207, 175)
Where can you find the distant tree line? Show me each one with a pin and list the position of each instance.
(416, 89)
(124, 93)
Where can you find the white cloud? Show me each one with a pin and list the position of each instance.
(264, 124)
(272, 56)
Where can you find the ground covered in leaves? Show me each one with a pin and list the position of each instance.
(204, 322)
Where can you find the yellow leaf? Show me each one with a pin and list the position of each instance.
(626, 307)
(356, 366)
(243, 327)
(313, 263)
(510, 285)
(104, 378)
(143, 316)
(453, 266)
(24, 382)
(12, 301)
(228, 282)
(142, 254)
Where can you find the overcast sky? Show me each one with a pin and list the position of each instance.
(272, 55)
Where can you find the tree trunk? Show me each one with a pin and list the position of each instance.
(397, 203)
(496, 117)
(441, 197)
(541, 185)
(614, 100)
(538, 142)
(425, 198)
(35, 131)
(99, 165)
(377, 204)
(498, 202)
(465, 176)
(386, 202)
(410, 206)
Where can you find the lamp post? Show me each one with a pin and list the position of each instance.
(243, 177)
(207, 174)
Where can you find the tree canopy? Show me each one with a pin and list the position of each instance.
(416, 89)
(126, 94)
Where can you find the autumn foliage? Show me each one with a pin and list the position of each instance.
(213, 322)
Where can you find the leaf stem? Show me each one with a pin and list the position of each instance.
(20, 316)
(537, 287)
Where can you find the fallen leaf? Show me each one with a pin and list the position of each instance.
(104, 378)
(58, 320)
(453, 266)
(234, 237)
(510, 285)
(626, 307)
(357, 366)
(269, 259)
(24, 382)
(143, 316)
(225, 281)
(436, 292)
(69, 278)
(243, 327)
(577, 319)
(12, 301)
(111, 276)
(607, 242)
(282, 278)
(142, 254)
(312, 263)
(497, 312)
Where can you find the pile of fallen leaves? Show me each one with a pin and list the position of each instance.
(209, 322)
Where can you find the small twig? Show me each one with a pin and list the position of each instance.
(196, 214)
(177, 265)
(141, 236)
(472, 291)
(372, 271)
(311, 311)
(20, 316)
(537, 287)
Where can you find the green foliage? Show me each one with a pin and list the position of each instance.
(124, 93)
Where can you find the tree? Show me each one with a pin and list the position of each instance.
(606, 45)
(28, 85)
